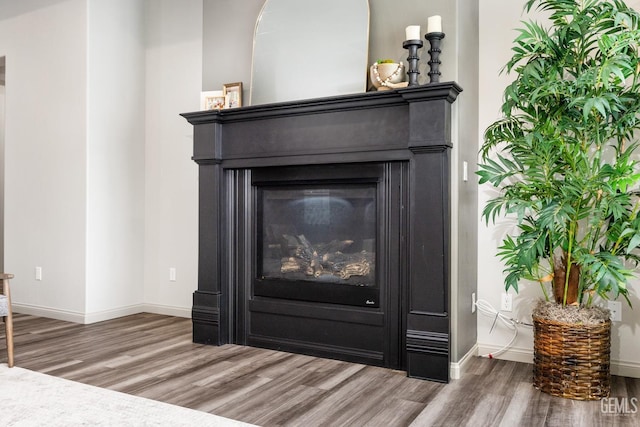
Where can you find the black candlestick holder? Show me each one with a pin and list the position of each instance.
(413, 58)
(434, 62)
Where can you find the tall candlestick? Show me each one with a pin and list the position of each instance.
(434, 24)
(412, 46)
(413, 32)
(435, 51)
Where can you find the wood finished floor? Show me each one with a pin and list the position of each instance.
(152, 356)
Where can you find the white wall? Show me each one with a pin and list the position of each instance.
(115, 157)
(45, 168)
(101, 191)
(495, 44)
(173, 85)
(498, 20)
(465, 232)
(230, 59)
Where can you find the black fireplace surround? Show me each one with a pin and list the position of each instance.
(324, 227)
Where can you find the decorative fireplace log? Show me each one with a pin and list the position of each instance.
(325, 259)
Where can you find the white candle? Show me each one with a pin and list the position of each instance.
(434, 24)
(413, 32)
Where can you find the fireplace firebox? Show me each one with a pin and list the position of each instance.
(324, 227)
(316, 235)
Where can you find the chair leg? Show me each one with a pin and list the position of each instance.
(8, 319)
(8, 324)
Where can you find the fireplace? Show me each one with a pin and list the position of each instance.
(324, 227)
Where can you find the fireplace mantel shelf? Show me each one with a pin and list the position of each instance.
(357, 101)
(405, 134)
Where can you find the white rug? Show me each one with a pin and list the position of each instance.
(29, 398)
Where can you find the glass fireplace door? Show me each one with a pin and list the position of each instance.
(318, 243)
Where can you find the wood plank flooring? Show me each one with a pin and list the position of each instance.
(152, 356)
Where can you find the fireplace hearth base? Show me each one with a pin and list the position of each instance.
(394, 144)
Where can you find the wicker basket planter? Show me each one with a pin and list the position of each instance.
(572, 360)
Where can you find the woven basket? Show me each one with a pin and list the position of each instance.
(572, 360)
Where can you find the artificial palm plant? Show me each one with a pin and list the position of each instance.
(563, 157)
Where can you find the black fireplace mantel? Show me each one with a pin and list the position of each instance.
(407, 132)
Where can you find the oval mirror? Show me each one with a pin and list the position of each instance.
(307, 49)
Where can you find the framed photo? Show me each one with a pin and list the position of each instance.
(232, 95)
(212, 100)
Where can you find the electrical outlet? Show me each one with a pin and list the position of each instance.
(172, 274)
(616, 310)
(38, 273)
(473, 302)
(506, 302)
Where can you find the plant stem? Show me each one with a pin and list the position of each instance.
(572, 227)
(544, 291)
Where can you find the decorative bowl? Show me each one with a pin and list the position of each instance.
(388, 75)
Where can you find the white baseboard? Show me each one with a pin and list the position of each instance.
(623, 368)
(515, 354)
(100, 316)
(51, 313)
(456, 369)
(87, 318)
(167, 310)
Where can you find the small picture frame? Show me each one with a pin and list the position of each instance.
(212, 100)
(232, 95)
